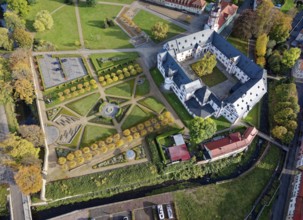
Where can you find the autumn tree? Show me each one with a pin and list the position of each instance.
(24, 90)
(5, 42)
(201, 129)
(18, 148)
(279, 132)
(274, 62)
(29, 179)
(206, 65)
(263, 20)
(159, 31)
(43, 21)
(20, 7)
(5, 91)
(33, 134)
(261, 43)
(12, 20)
(290, 57)
(243, 27)
(281, 28)
(23, 38)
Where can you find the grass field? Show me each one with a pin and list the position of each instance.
(231, 200)
(120, 1)
(95, 36)
(253, 116)
(41, 5)
(142, 89)
(83, 105)
(214, 78)
(93, 133)
(11, 117)
(239, 44)
(124, 89)
(65, 111)
(3, 199)
(288, 4)
(76, 139)
(221, 122)
(136, 116)
(146, 21)
(172, 99)
(65, 26)
(153, 104)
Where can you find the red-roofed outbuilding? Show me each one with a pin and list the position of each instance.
(179, 153)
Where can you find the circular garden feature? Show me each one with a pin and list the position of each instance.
(109, 110)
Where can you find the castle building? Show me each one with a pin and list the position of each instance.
(193, 6)
(196, 97)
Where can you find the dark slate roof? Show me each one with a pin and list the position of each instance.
(200, 94)
(215, 99)
(249, 68)
(207, 111)
(193, 106)
(179, 77)
(235, 87)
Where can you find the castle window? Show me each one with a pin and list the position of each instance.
(194, 38)
(202, 35)
(185, 41)
(258, 87)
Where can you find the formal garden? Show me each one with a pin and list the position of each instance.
(93, 124)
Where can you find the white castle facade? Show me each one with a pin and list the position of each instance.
(197, 97)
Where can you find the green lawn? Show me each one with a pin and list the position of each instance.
(65, 111)
(253, 116)
(75, 141)
(239, 44)
(3, 199)
(214, 78)
(146, 21)
(95, 36)
(288, 4)
(124, 89)
(84, 105)
(41, 5)
(120, 1)
(11, 117)
(232, 200)
(126, 56)
(143, 89)
(153, 104)
(64, 33)
(92, 133)
(172, 99)
(221, 122)
(137, 115)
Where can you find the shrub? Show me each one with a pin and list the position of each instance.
(107, 76)
(147, 123)
(136, 135)
(109, 140)
(101, 78)
(139, 70)
(113, 75)
(120, 143)
(70, 156)
(88, 88)
(101, 144)
(150, 129)
(129, 138)
(127, 74)
(103, 149)
(60, 94)
(61, 98)
(143, 132)
(64, 167)
(94, 146)
(92, 82)
(68, 96)
(115, 78)
(121, 76)
(140, 126)
(78, 153)
(75, 93)
(80, 160)
(130, 67)
(125, 70)
(72, 164)
(88, 156)
(61, 160)
(154, 120)
(95, 86)
(86, 150)
(86, 84)
(66, 91)
(73, 88)
(111, 146)
(126, 132)
(109, 81)
(116, 137)
(133, 72)
(157, 126)
(119, 72)
(133, 129)
(103, 83)
(82, 91)
(80, 86)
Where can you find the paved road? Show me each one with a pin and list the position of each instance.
(280, 206)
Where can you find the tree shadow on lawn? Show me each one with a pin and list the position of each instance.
(29, 24)
(116, 33)
(96, 23)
